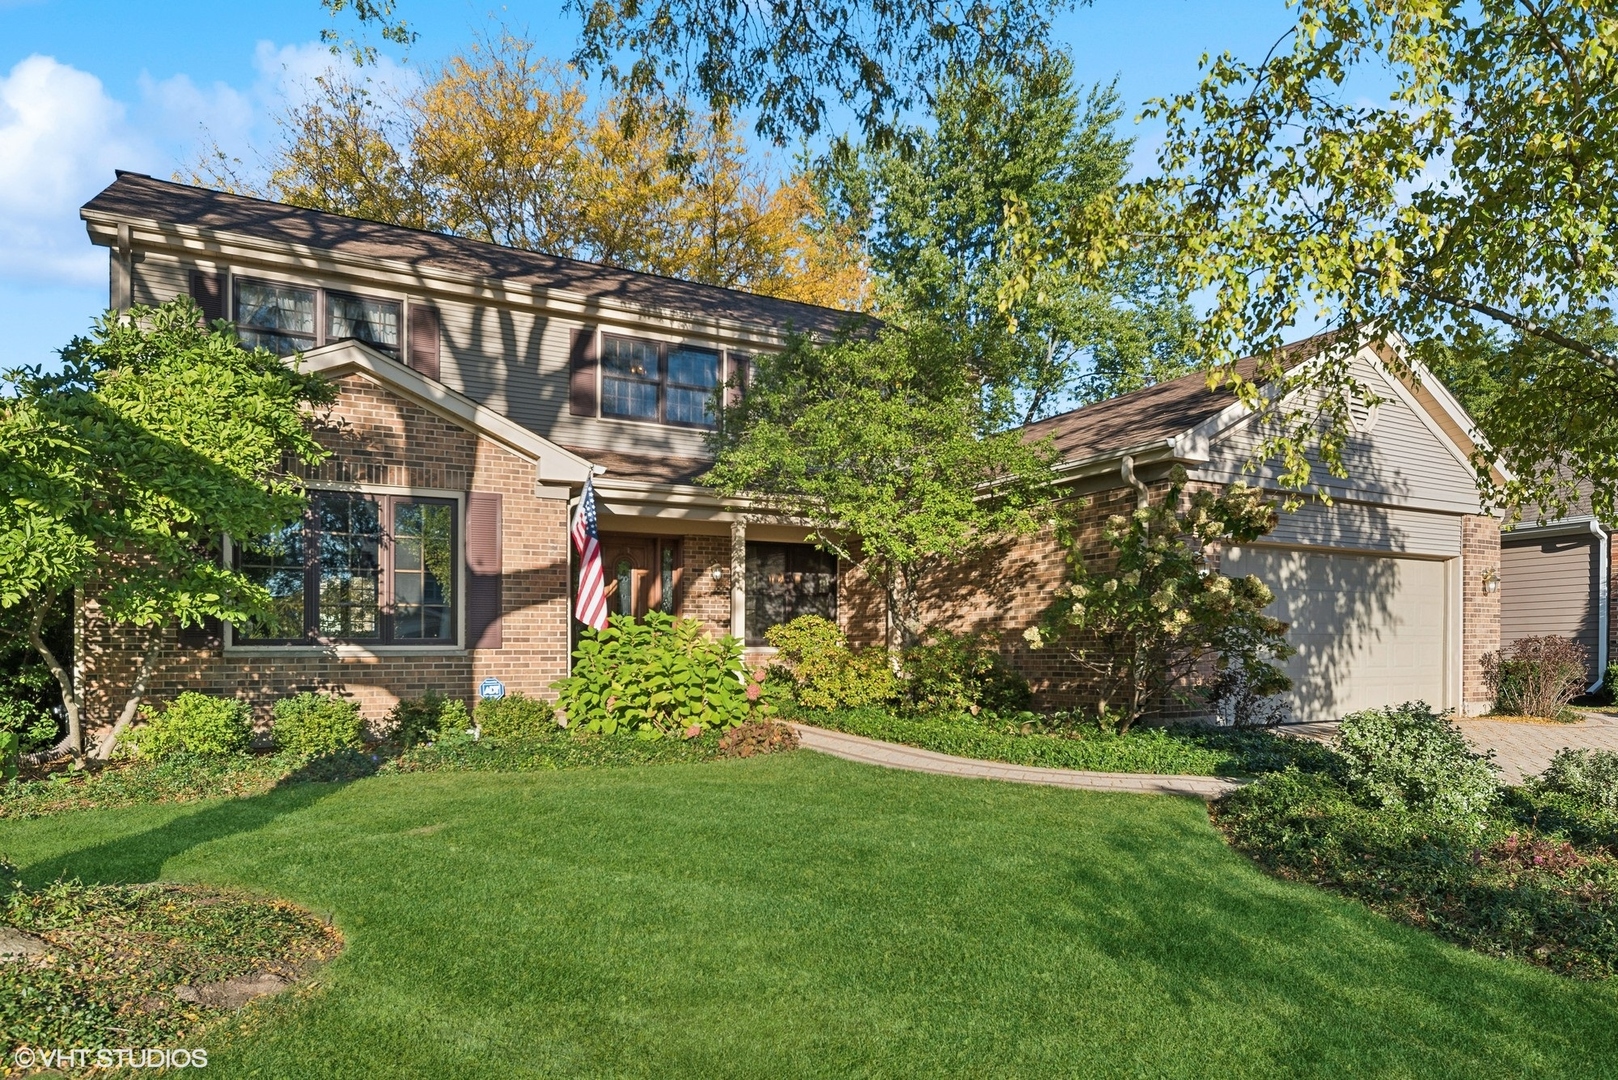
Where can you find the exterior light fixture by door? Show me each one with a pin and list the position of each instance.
(1491, 581)
(718, 574)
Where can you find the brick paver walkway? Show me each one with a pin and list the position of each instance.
(1520, 749)
(894, 756)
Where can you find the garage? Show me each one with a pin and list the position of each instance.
(1370, 630)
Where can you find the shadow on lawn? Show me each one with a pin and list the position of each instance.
(140, 857)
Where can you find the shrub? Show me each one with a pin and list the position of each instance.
(757, 737)
(427, 718)
(1539, 677)
(962, 673)
(515, 716)
(825, 673)
(1410, 756)
(1249, 696)
(1589, 778)
(195, 724)
(34, 727)
(658, 676)
(315, 724)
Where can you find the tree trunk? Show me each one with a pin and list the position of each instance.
(148, 660)
(64, 680)
(904, 610)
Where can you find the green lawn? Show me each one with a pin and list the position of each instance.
(798, 916)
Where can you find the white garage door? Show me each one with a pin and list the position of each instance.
(1369, 630)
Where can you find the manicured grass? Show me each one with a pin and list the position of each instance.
(801, 916)
(1192, 750)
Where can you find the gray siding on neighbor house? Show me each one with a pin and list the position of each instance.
(1551, 586)
(1359, 527)
(1400, 461)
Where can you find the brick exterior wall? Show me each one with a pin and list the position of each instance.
(380, 439)
(1480, 610)
(702, 597)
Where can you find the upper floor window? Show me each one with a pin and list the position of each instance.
(278, 317)
(285, 318)
(362, 318)
(648, 380)
(362, 569)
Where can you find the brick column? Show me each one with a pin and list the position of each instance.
(1480, 609)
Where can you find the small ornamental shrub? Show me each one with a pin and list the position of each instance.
(962, 673)
(1587, 778)
(1411, 757)
(317, 724)
(825, 673)
(1249, 696)
(34, 727)
(1538, 677)
(195, 724)
(515, 716)
(658, 676)
(757, 737)
(426, 719)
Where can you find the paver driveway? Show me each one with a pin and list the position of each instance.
(1520, 749)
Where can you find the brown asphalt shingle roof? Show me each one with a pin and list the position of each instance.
(657, 470)
(133, 195)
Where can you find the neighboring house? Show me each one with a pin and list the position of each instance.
(478, 386)
(1556, 578)
(1385, 589)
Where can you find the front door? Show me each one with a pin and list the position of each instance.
(643, 573)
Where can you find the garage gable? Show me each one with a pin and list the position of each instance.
(1397, 456)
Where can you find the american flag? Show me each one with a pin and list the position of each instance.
(591, 606)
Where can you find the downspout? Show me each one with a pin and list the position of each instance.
(1126, 469)
(1603, 592)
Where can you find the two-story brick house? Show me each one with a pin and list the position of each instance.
(479, 386)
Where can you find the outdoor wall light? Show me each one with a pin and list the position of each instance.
(1491, 581)
(718, 574)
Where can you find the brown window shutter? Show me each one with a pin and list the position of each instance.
(207, 636)
(483, 568)
(208, 290)
(582, 392)
(423, 355)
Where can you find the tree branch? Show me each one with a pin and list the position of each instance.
(64, 679)
(109, 742)
(1518, 322)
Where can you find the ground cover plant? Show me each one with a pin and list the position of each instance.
(1190, 749)
(797, 915)
(1412, 824)
(121, 965)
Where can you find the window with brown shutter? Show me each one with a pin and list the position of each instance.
(208, 290)
(583, 363)
(483, 569)
(423, 354)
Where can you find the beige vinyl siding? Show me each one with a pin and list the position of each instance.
(1551, 586)
(158, 280)
(1356, 526)
(1399, 461)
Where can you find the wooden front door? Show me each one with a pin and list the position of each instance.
(643, 573)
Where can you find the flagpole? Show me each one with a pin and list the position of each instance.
(572, 621)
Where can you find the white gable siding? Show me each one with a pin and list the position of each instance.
(1399, 462)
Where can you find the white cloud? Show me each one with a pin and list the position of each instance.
(288, 72)
(61, 137)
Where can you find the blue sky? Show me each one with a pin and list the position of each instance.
(87, 87)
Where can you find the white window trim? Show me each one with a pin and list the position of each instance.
(342, 651)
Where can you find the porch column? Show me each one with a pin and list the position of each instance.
(738, 580)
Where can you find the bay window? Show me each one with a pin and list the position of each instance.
(358, 569)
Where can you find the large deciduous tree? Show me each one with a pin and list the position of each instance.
(123, 469)
(931, 208)
(500, 144)
(884, 446)
(1447, 170)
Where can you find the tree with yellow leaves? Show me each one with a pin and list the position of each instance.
(500, 144)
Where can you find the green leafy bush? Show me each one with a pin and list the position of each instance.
(962, 673)
(1506, 889)
(515, 716)
(1410, 756)
(658, 676)
(1538, 677)
(34, 727)
(314, 724)
(425, 719)
(1587, 778)
(814, 657)
(195, 724)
